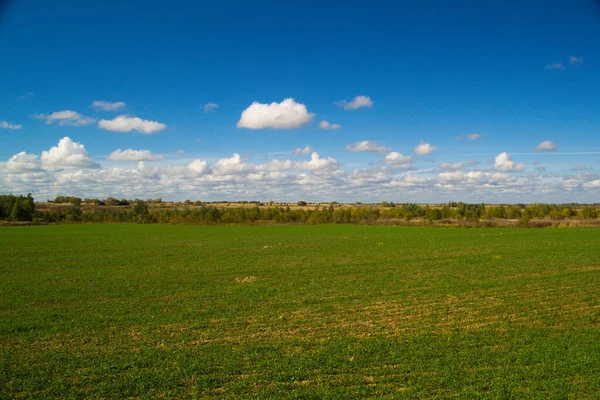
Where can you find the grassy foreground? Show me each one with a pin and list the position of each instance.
(331, 311)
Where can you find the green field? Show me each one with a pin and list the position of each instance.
(332, 311)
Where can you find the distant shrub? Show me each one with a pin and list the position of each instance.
(589, 213)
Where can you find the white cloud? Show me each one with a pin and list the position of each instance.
(555, 66)
(179, 152)
(478, 176)
(198, 167)
(285, 115)
(236, 166)
(366, 176)
(547, 145)
(357, 102)
(424, 148)
(299, 150)
(108, 106)
(458, 180)
(210, 106)
(8, 125)
(123, 123)
(134, 155)
(504, 163)
(25, 181)
(326, 125)
(316, 163)
(409, 181)
(66, 117)
(23, 162)
(448, 166)
(67, 154)
(65, 169)
(367, 145)
(397, 159)
(592, 184)
(232, 165)
(575, 60)
(453, 176)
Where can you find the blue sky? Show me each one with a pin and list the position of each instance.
(516, 74)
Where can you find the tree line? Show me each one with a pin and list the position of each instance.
(22, 208)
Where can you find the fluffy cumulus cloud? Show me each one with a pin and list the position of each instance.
(504, 163)
(326, 125)
(235, 165)
(210, 106)
(22, 162)
(483, 179)
(134, 155)
(66, 117)
(547, 145)
(451, 176)
(285, 115)
(397, 159)
(232, 165)
(357, 102)
(424, 148)
(107, 105)
(67, 155)
(316, 163)
(300, 150)
(592, 184)
(8, 125)
(123, 123)
(368, 146)
(198, 167)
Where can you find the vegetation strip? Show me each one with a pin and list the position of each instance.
(20, 209)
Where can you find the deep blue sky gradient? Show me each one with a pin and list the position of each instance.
(434, 69)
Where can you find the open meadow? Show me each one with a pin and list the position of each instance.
(325, 311)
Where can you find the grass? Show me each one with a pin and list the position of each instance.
(332, 311)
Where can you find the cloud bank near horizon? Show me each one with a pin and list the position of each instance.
(68, 169)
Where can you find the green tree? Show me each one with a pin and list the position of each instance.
(17, 208)
(140, 210)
